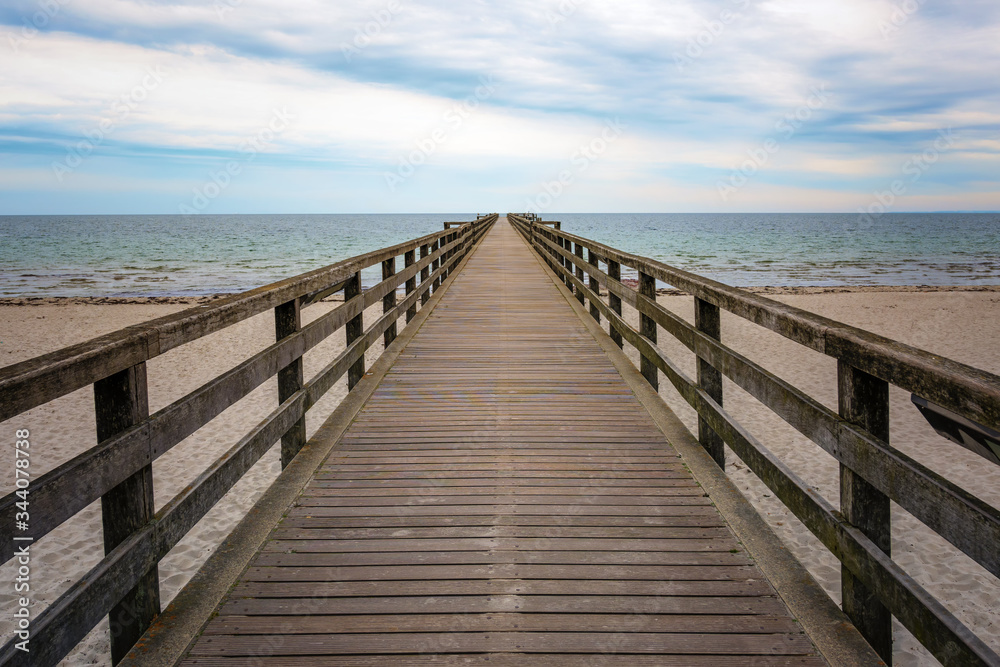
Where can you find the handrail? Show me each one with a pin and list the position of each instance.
(872, 471)
(118, 469)
(36, 381)
(967, 390)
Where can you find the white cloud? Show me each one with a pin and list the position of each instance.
(210, 99)
(227, 71)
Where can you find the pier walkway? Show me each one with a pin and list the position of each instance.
(503, 498)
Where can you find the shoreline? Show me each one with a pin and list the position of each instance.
(630, 282)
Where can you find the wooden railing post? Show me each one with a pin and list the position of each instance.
(448, 255)
(595, 286)
(445, 240)
(409, 258)
(568, 265)
(437, 264)
(425, 251)
(121, 401)
(864, 401)
(707, 320)
(389, 300)
(468, 237)
(287, 321)
(354, 330)
(558, 257)
(579, 274)
(615, 301)
(647, 327)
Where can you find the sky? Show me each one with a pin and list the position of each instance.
(395, 106)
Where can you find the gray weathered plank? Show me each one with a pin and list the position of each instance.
(503, 468)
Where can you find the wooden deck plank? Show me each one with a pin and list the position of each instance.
(503, 499)
(682, 532)
(280, 559)
(504, 544)
(502, 571)
(507, 642)
(315, 508)
(674, 624)
(330, 498)
(504, 660)
(647, 476)
(707, 517)
(471, 482)
(667, 485)
(435, 588)
(473, 604)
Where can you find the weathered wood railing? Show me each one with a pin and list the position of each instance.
(875, 588)
(118, 471)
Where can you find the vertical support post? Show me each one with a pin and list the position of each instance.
(707, 319)
(287, 321)
(566, 245)
(425, 251)
(595, 286)
(615, 301)
(354, 330)
(389, 300)
(437, 264)
(569, 265)
(467, 236)
(558, 257)
(647, 327)
(409, 259)
(121, 401)
(443, 243)
(447, 256)
(579, 273)
(864, 401)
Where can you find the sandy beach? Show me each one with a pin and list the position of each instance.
(960, 324)
(65, 427)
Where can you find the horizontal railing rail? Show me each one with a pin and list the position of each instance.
(872, 471)
(117, 471)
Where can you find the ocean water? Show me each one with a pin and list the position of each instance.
(175, 255)
(794, 249)
(169, 255)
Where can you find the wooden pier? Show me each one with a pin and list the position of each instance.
(504, 486)
(503, 498)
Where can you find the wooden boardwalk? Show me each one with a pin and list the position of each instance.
(503, 498)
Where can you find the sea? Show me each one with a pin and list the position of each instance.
(172, 255)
